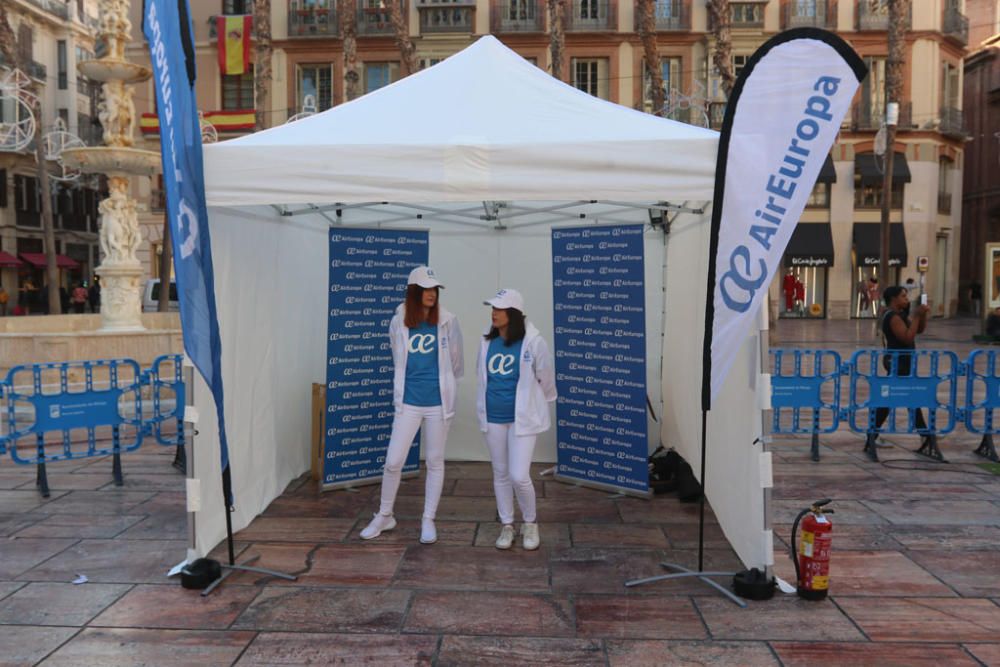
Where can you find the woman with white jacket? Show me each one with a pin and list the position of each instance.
(516, 385)
(427, 362)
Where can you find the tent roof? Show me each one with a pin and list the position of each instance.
(484, 124)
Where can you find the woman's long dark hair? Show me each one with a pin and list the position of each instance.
(413, 311)
(515, 328)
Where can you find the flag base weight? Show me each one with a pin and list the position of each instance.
(683, 572)
(245, 567)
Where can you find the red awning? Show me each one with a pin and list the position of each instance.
(7, 259)
(38, 259)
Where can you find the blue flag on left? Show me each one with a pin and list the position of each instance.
(169, 31)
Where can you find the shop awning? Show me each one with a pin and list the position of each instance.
(8, 260)
(867, 241)
(811, 245)
(827, 174)
(871, 169)
(38, 259)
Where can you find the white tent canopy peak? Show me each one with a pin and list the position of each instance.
(484, 124)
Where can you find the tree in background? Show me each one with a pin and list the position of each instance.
(262, 61)
(651, 56)
(401, 32)
(557, 36)
(719, 20)
(349, 29)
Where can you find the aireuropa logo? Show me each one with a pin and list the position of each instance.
(422, 343)
(501, 364)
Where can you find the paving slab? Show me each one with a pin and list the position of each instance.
(115, 647)
(303, 648)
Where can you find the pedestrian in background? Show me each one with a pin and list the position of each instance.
(79, 298)
(900, 333)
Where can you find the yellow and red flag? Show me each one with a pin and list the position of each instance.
(234, 43)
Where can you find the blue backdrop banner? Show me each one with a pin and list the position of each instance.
(598, 297)
(368, 272)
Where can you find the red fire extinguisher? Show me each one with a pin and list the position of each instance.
(811, 554)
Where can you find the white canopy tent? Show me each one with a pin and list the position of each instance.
(487, 152)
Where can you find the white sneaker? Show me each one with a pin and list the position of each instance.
(506, 539)
(379, 524)
(529, 536)
(428, 533)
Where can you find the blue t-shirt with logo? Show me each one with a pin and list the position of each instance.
(503, 369)
(422, 387)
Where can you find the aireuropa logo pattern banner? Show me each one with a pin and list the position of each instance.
(598, 296)
(368, 272)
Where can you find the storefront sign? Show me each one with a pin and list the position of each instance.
(808, 261)
(600, 348)
(368, 273)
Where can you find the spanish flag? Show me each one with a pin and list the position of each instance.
(234, 43)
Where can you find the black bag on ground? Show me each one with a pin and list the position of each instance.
(663, 465)
(688, 488)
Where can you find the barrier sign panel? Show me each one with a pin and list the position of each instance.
(368, 272)
(600, 348)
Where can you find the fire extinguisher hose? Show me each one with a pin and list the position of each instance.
(795, 551)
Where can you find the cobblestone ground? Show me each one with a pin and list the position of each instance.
(914, 567)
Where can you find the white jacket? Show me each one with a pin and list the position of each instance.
(451, 363)
(536, 386)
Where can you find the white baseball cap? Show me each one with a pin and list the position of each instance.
(423, 276)
(507, 298)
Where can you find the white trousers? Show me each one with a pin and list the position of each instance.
(511, 456)
(405, 425)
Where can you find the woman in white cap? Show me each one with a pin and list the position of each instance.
(427, 361)
(516, 385)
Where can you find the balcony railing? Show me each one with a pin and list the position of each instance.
(37, 70)
(60, 9)
(952, 122)
(810, 14)
(213, 28)
(865, 117)
(437, 16)
(944, 202)
(592, 16)
(670, 15)
(517, 16)
(373, 21)
(312, 18)
(157, 200)
(956, 25)
(874, 15)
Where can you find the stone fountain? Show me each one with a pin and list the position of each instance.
(121, 271)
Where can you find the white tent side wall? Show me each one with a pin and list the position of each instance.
(272, 275)
(733, 464)
(270, 285)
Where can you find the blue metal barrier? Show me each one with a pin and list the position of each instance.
(83, 409)
(167, 375)
(799, 380)
(982, 399)
(909, 379)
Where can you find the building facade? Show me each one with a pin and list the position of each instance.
(51, 37)
(981, 189)
(828, 269)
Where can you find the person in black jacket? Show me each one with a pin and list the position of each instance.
(900, 333)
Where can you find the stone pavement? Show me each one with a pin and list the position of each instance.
(914, 568)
